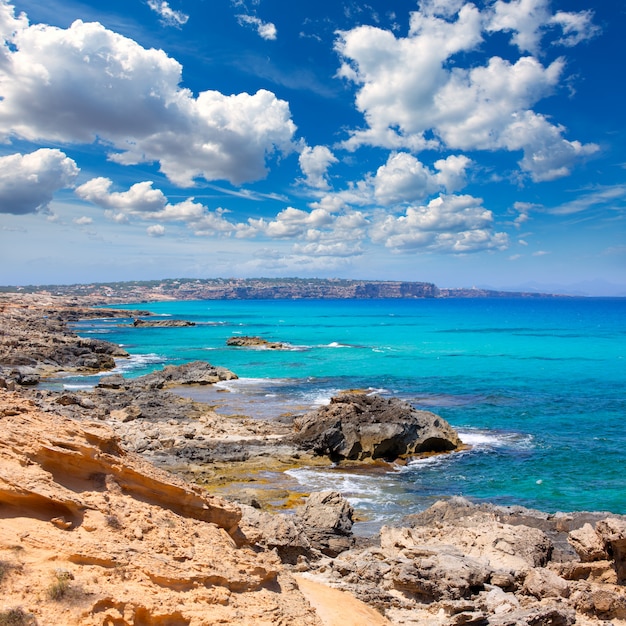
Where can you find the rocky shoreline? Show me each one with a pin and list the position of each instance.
(107, 495)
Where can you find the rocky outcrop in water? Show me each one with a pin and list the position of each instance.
(256, 342)
(359, 426)
(141, 323)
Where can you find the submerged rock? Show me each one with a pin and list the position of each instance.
(359, 426)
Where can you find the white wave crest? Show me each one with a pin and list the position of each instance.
(135, 362)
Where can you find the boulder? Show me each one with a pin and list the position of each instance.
(359, 426)
(538, 616)
(275, 532)
(439, 573)
(587, 544)
(326, 519)
(481, 534)
(127, 414)
(114, 381)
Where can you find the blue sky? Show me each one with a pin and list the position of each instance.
(447, 141)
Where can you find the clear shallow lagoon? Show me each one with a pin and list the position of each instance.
(536, 386)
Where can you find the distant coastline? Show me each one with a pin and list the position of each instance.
(264, 289)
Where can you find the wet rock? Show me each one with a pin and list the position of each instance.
(358, 426)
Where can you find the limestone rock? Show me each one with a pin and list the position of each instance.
(35, 341)
(275, 532)
(587, 544)
(326, 520)
(127, 414)
(114, 381)
(358, 426)
(544, 583)
(540, 616)
(612, 532)
(440, 573)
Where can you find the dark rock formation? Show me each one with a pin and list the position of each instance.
(256, 342)
(358, 426)
(140, 323)
(194, 373)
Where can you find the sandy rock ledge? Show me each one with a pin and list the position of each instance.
(90, 534)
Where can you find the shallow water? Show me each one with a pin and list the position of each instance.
(535, 386)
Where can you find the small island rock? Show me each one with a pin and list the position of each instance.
(256, 342)
(138, 322)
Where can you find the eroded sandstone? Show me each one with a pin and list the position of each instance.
(139, 545)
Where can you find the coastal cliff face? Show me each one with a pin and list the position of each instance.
(246, 289)
(260, 289)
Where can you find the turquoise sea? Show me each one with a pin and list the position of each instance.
(535, 386)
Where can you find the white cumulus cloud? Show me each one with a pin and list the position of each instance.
(29, 181)
(577, 27)
(415, 93)
(140, 198)
(140, 201)
(314, 163)
(530, 20)
(156, 230)
(289, 223)
(86, 82)
(454, 224)
(402, 179)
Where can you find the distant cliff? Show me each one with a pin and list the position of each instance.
(260, 289)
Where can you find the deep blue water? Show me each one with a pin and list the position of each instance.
(536, 386)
